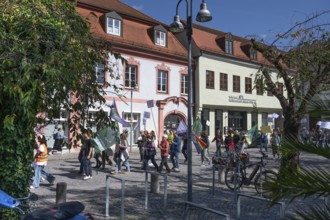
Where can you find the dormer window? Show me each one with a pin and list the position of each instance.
(160, 36)
(113, 24)
(253, 54)
(229, 43)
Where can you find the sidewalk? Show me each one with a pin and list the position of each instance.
(91, 193)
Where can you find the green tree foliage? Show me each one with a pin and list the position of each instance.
(305, 72)
(304, 69)
(47, 54)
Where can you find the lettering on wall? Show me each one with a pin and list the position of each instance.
(241, 99)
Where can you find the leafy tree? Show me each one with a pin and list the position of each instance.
(304, 70)
(47, 55)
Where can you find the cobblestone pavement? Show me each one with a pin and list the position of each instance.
(92, 193)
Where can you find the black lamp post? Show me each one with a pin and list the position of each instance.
(203, 16)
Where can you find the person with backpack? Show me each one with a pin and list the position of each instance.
(205, 139)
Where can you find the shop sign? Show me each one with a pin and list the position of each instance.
(241, 99)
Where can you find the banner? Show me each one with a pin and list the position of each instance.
(114, 115)
(182, 128)
(266, 129)
(105, 138)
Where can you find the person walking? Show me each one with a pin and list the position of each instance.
(58, 139)
(275, 143)
(205, 139)
(164, 151)
(263, 141)
(150, 152)
(218, 138)
(41, 158)
(184, 148)
(87, 154)
(175, 152)
(122, 154)
(140, 143)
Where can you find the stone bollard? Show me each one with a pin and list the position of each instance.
(221, 174)
(60, 192)
(154, 186)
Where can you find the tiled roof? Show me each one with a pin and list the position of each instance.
(208, 40)
(136, 27)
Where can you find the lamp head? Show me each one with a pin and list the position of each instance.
(176, 26)
(204, 14)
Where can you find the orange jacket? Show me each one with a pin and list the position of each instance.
(42, 156)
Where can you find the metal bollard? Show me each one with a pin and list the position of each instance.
(60, 192)
(154, 185)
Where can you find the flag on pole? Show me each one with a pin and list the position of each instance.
(105, 138)
(182, 128)
(199, 143)
(252, 134)
(115, 115)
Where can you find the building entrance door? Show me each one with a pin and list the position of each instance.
(237, 120)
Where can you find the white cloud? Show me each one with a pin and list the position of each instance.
(138, 7)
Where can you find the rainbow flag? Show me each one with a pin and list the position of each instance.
(199, 143)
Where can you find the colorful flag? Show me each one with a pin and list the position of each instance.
(114, 115)
(182, 128)
(199, 143)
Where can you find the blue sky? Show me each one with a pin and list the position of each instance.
(264, 18)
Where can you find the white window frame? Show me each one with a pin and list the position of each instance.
(162, 76)
(114, 26)
(184, 84)
(130, 73)
(160, 38)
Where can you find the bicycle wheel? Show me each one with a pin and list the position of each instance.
(230, 177)
(263, 178)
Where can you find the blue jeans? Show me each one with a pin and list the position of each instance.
(87, 166)
(118, 165)
(263, 145)
(49, 177)
(174, 156)
(37, 175)
(146, 161)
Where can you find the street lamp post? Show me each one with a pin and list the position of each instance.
(203, 16)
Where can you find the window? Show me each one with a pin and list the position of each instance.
(131, 77)
(259, 87)
(162, 81)
(99, 70)
(184, 84)
(229, 47)
(224, 81)
(248, 85)
(236, 84)
(229, 43)
(209, 79)
(160, 38)
(114, 26)
(253, 54)
(280, 88)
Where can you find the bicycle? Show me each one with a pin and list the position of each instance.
(233, 178)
